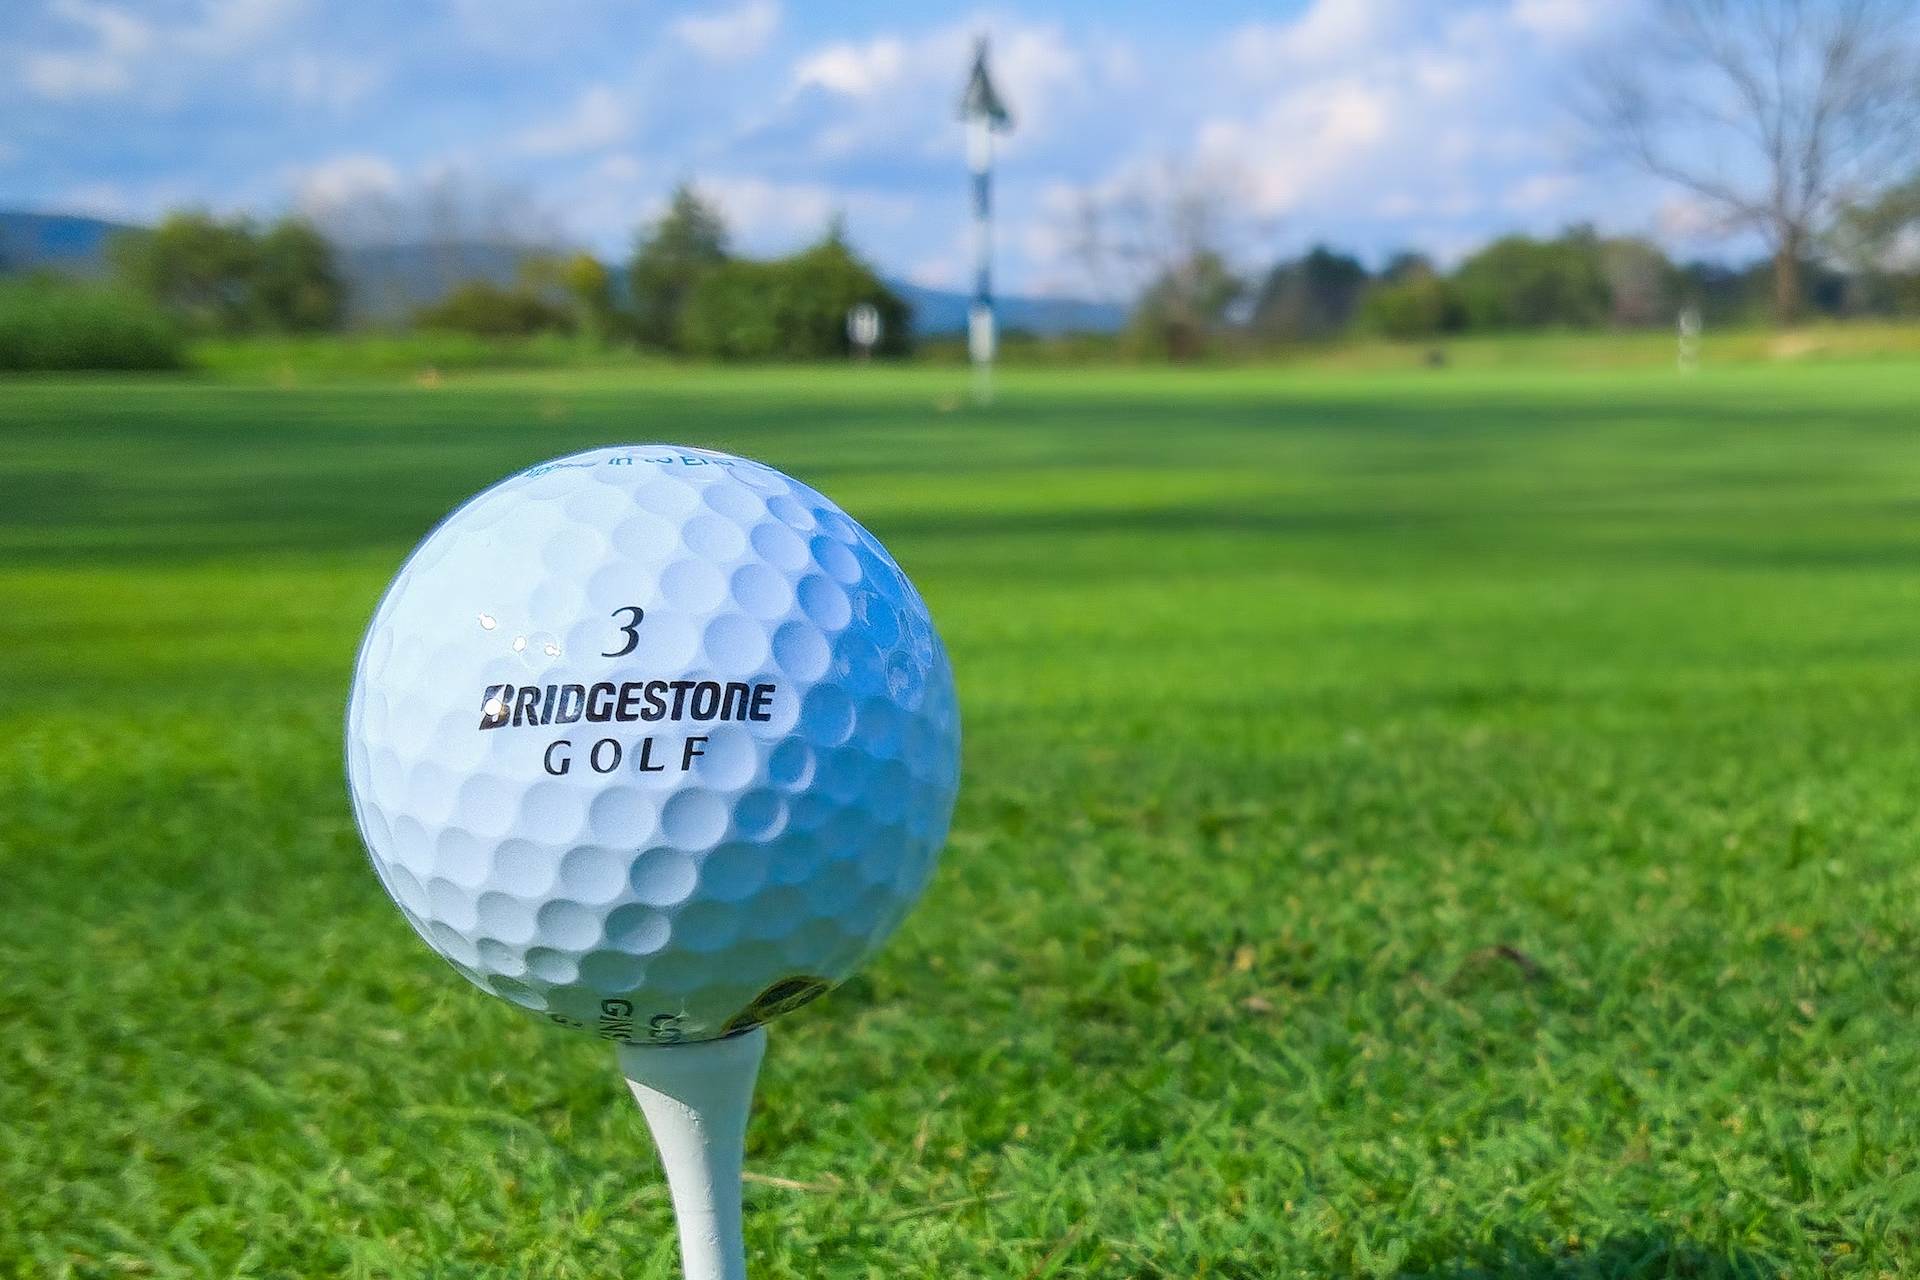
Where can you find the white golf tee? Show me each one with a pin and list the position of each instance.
(696, 1098)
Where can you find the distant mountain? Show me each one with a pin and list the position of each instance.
(390, 282)
(938, 313)
(55, 242)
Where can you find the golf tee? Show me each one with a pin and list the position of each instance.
(696, 1098)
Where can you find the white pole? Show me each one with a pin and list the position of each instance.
(696, 1097)
(980, 335)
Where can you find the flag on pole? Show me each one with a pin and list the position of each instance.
(985, 114)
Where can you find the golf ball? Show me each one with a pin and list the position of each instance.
(653, 741)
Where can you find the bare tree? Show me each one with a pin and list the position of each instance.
(1167, 238)
(408, 244)
(1770, 111)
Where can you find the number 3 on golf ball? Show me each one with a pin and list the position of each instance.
(653, 741)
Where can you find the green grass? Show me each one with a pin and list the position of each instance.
(429, 358)
(1435, 825)
(423, 355)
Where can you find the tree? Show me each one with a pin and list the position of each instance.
(673, 255)
(1186, 303)
(1416, 302)
(193, 265)
(579, 282)
(1518, 282)
(296, 285)
(1169, 237)
(1407, 264)
(1768, 111)
(412, 244)
(792, 308)
(1641, 283)
(1879, 242)
(1309, 298)
(229, 277)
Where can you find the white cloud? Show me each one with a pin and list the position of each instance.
(99, 200)
(942, 272)
(118, 41)
(1304, 141)
(1540, 191)
(126, 202)
(1563, 19)
(1407, 110)
(620, 167)
(893, 95)
(1689, 218)
(733, 35)
(771, 216)
(311, 79)
(1328, 31)
(758, 209)
(599, 118)
(236, 26)
(854, 70)
(343, 178)
(120, 48)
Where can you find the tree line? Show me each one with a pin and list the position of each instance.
(683, 291)
(1579, 279)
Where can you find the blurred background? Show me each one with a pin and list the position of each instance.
(1258, 182)
(1431, 580)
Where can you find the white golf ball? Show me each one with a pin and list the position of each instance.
(654, 741)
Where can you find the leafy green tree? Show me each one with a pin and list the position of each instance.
(1518, 282)
(228, 277)
(296, 285)
(1310, 298)
(194, 266)
(673, 256)
(1420, 304)
(792, 308)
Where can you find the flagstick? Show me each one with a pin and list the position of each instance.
(696, 1098)
(980, 335)
(985, 115)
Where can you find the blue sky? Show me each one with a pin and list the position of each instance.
(1372, 124)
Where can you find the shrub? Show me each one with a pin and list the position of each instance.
(488, 311)
(54, 325)
(1419, 306)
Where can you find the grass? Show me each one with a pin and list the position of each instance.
(1459, 826)
(428, 358)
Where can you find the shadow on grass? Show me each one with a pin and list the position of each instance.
(1651, 1255)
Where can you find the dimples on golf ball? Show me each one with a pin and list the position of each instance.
(654, 741)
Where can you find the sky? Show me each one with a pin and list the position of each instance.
(1374, 125)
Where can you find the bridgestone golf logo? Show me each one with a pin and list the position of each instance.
(506, 706)
(647, 701)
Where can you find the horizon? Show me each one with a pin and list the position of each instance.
(1405, 127)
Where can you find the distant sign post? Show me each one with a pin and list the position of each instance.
(863, 330)
(985, 114)
(1688, 358)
